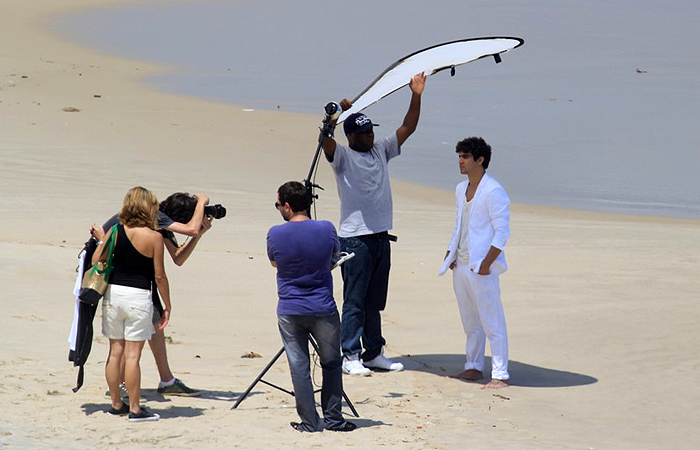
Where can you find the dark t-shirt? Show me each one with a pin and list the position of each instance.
(163, 221)
(303, 251)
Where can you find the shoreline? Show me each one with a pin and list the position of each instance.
(156, 69)
(620, 200)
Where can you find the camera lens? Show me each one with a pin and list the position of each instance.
(216, 211)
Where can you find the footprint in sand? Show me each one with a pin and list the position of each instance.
(31, 318)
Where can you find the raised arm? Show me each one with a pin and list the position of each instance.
(410, 121)
(179, 254)
(328, 143)
(194, 226)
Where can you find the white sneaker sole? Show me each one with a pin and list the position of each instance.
(152, 418)
(398, 369)
(364, 373)
(361, 374)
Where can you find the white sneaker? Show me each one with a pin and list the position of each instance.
(384, 363)
(353, 366)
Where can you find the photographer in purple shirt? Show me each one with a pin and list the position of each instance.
(301, 249)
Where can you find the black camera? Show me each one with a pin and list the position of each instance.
(216, 211)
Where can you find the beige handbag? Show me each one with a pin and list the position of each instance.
(96, 278)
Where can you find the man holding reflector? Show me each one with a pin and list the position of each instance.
(362, 176)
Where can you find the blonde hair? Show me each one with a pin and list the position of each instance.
(139, 208)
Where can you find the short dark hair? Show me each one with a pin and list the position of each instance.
(295, 194)
(477, 147)
(179, 206)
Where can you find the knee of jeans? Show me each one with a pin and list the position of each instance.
(353, 307)
(298, 362)
(376, 301)
(332, 364)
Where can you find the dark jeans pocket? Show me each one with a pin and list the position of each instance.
(350, 244)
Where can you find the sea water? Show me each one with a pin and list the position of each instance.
(597, 110)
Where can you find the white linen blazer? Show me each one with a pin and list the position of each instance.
(488, 221)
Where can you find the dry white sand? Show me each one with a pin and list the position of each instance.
(602, 309)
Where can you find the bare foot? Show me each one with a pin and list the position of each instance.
(495, 384)
(470, 375)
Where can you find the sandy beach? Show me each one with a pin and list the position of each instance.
(601, 308)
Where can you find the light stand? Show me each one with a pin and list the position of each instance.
(332, 111)
(259, 379)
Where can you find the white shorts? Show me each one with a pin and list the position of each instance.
(127, 313)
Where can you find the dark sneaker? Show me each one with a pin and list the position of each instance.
(143, 415)
(123, 393)
(347, 426)
(178, 388)
(119, 412)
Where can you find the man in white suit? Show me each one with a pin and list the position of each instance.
(475, 255)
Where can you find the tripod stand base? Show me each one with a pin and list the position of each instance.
(259, 379)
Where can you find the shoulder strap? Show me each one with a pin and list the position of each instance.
(108, 247)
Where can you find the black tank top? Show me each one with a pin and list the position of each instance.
(131, 268)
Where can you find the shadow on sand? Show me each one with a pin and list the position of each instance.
(521, 374)
(366, 423)
(153, 396)
(165, 413)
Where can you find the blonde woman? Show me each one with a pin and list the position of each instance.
(127, 307)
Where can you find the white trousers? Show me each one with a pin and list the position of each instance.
(479, 301)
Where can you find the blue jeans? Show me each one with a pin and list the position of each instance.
(295, 331)
(365, 285)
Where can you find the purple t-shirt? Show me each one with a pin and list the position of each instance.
(302, 251)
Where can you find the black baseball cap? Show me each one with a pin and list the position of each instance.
(358, 123)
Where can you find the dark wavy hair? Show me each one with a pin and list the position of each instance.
(179, 206)
(295, 194)
(477, 147)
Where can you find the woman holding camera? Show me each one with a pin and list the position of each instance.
(127, 307)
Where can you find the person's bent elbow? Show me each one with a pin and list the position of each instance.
(192, 231)
(161, 279)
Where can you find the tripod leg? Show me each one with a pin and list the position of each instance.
(352, 408)
(345, 396)
(257, 380)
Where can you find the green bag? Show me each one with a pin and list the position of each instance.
(96, 278)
